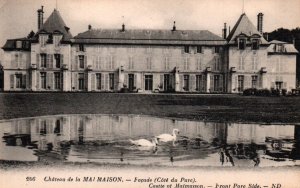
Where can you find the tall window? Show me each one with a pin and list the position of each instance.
(167, 84)
(57, 80)
(240, 83)
(43, 60)
(186, 79)
(111, 62)
(167, 64)
(148, 82)
(131, 64)
(199, 49)
(81, 61)
(19, 80)
(242, 44)
(216, 82)
(56, 40)
(199, 83)
(43, 80)
(198, 64)
(98, 81)
(111, 80)
(241, 63)
(254, 63)
(254, 81)
(81, 81)
(149, 63)
(186, 49)
(43, 40)
(57, 60)
(217, 63)
(186, 64)
(255, 44)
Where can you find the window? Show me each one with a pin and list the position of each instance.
(148, 82)
(111, 62)
(254, 82)
(43, 60)
(278, 65)
(81, 48)
(19, 44)
(241, 63)
(98, 81)
(279, 48)
(18, 80)
(186, 79)
(43, 80)
(111, 81)
(167, 85)
(167, 64)
(186, 49)
(255, 44)
(56, 40)
(186, 64)
(217, 49)
(81, 61)
(199, 49)
(217, 63)
(199, 64)
(279, 84)
(43, 40)
(57, 126)
(254, 63)
(149, 63)
(130, 82)
(199, 83)
(216, 82)
(57, 60)
(240, 83)
(242, 44)
(131, 64)
(57, 80)
(81, 81)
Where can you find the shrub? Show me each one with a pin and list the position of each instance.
(250, 91)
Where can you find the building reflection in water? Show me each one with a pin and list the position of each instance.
(104, 138)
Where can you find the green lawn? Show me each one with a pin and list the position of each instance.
(221, 108)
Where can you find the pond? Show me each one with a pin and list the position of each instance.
(106, 139)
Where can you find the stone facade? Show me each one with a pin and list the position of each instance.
(147, 60)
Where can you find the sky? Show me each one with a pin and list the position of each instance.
(19, 17)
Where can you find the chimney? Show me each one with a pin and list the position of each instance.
(40, 17)
(174, 26)
(123, 27)
(225, 31)
(260, 22)
(89, 27)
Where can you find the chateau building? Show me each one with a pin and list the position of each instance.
(146, 60)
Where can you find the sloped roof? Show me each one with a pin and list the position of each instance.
(55, 23)
(10, 44)
(277, 42)
(246, 27)
(287, 48)
(144, 36)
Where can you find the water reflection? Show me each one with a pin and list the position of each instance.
(105, 139)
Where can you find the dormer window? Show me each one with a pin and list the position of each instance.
(242, 44)
(56, 40)
(18, 44)
(255, 44)
(279, 48)
(43, 40)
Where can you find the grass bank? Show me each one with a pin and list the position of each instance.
(220, 108)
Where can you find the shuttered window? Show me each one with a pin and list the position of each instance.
(43, 80)
(57, 80)
(43, 60)
(98, 81)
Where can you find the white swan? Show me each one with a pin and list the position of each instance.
(144, 142)
(168, 137)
